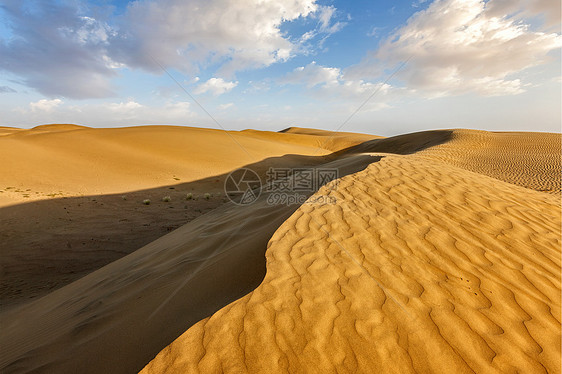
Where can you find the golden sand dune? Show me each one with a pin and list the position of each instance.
(531, 160)
(117, 318)
(71, 196)
(8, 130)
(70, 160)
(419, 265)
(329, 140)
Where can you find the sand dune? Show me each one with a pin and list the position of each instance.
(138, 304)
(70, 196)
(69, 160)
(427, 262)
(419, 267)
(328, 140)
(8, 130)
(531, 160)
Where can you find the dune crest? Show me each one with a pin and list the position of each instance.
(419, 267)
(435, 253)
(530, 160)
(72, 160)
(127, 311)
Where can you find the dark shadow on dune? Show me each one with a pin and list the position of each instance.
(124, 313)
(47, 244)
(404, 144)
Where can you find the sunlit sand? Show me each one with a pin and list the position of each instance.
(436, 251)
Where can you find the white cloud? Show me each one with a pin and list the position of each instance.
(87, 30)
(325, 17)
(226, 106)
(459, 46)
(374, 31)
(62, 50)
(132, 112)
(56, 51)
(259, 86)
(308, 36)
(329, 84)
(123, 113)
(418, 3)
(312, 75)
(130, 109)
(187, 34)
(326, 26)
(45, 105)
(215, 86)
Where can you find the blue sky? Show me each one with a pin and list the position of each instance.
(492, 65)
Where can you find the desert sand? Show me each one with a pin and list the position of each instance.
(70, 160)
(438, 251)
(70, 195)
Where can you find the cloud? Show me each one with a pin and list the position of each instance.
(55, 50)
(129, 112)
(61, 48)
(418, 3)
(188, 34)
(45, 105)
(6, 89)
(325, 27)
(215, 86)
(550, 10)
(374, 31)
(129, 109)
(325, 17)
(329, 84)
(313, 75)
(459, 46)
(259, 86)
(132, 112)
(226, 106)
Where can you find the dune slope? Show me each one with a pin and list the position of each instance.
(421, 266)
(69, 160)
(71, 196)
(530, 160)
(119, 317)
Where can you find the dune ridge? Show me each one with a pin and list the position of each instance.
(71, 160)
(128, 310)
(71, 196)
(419, 267)
(530, 160)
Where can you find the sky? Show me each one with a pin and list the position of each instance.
(379, 67)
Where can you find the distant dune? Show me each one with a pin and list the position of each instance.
(70, 196)
(70, 160)
(436, 251)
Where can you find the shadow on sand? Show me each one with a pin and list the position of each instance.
(117, 318)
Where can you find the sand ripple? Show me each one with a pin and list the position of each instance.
(419, 267)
